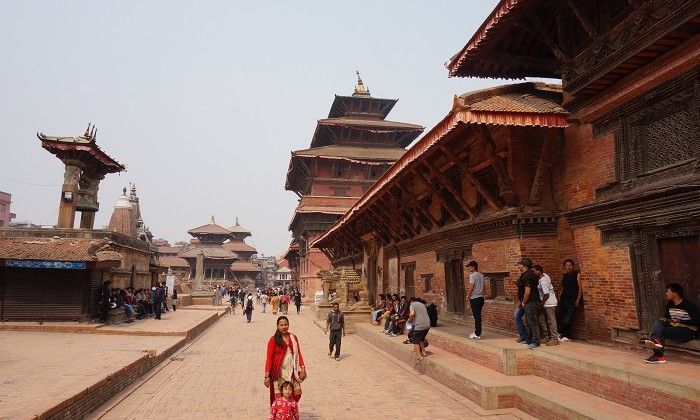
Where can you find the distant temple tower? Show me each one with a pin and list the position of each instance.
(86, 166)
(243, 270)
(349, 151)
(217, 260)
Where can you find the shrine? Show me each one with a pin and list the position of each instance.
(244, 273)
(349, 151)
(602, 169)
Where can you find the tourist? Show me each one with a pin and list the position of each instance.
(400, 318)
(393, 312)
(284, 407)
(263, 301)
(570, 297)
(379, 309)
(530, 298)
(335, 322)
(174, 300)
(105, 300)
(284, 361)
(520, 310)
(475, 291)
(680, 323)
(158, 297)
(418, 316)
(297, 301)
(249, 307)
(548, 304)
(232, 305)
(120, 297)
(274, 302)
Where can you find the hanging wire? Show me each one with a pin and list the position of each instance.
(29, 183)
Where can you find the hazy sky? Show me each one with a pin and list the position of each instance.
(204, 101)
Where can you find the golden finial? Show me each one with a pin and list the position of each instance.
(360, 89)
(212, 222)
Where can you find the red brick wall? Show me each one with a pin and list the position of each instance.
(608, 287)
(590, 164)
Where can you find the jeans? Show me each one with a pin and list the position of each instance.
(157, 307)
(566, 313)
(533, 329)
(477, 305)
(662, 331)
(518, 317)
(129, 310)
(264, 305)
(376, 314)
(335, 339)
(249, 314)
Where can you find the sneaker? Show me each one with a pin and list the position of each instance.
(653, 344)
(655, 359)
(337, 359)
(564, 339)
(474, 336)
(532, 346)
(552, 343)
(392, 335)
(425, 354)
(523, 342)
(418, 360)
(329, 353)
(519, 340)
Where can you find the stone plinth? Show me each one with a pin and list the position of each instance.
(202, 298)
(360, 314)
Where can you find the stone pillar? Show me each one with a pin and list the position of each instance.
(69, 196)
(87, 199)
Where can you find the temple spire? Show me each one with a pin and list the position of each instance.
(360, 89)
(212, 222)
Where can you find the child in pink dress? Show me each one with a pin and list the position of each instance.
(284, 407)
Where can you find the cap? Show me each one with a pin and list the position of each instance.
(153, 288)
(526, 262)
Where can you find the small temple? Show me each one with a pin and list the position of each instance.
(243, 271)
(349, 152)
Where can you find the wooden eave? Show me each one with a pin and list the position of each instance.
(376, 106)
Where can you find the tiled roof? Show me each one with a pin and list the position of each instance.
(210, 228)
(169, 249)
(244, 266)
(236, 246)
(365, 153)
(376, 124)
(211, 252)
(56, 249)
(173, 262)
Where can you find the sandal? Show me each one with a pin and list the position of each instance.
(420, 359)
(407, 342)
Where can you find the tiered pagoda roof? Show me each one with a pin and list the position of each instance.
(81, 149)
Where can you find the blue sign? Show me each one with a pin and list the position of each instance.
(71, 265)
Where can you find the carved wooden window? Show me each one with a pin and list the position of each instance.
(496, 282)
(668, 138)
(427, 280)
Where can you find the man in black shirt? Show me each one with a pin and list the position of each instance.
(680, 324)
(530, 298)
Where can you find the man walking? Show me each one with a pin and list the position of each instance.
(335, 322)
(158, 298)
(475, 291)
(418, 316)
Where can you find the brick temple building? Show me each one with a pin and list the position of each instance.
(602, 169)
(349, 151)
(243, 270)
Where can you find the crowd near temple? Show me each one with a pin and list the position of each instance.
(589, 182)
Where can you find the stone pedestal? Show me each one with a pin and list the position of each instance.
(358, 314)
(203, 298)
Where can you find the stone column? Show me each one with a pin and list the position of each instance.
(69, 196)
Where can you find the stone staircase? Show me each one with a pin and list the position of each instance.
(574, 380)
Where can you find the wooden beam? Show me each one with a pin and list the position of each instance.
(390, 212)
(493, 201)
(505, 183)
(534, 27)
(446, 182)
(583, 19)
(432, 189)
(415, 204)
(407, 211)
(542, 166)
(538, 63)
(378, 223)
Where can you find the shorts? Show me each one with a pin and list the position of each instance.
(418, 335)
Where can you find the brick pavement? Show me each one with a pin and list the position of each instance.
(220, 375)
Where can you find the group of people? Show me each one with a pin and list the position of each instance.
(137, 303)
(277, 299)
(538, 303)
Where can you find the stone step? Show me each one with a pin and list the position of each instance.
(620, 377)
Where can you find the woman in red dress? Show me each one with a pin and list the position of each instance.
(284, 361)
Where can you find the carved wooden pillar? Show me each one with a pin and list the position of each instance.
(87, 199)
(69, 195)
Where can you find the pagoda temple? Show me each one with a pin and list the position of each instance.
(216, 259)
(349, 151)
(243, 270)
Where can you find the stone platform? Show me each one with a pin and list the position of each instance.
(571, 380)
(352, 317)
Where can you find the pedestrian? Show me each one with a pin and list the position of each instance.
(335, 322)
(284, 407)
(297, 302)
(680, 323)
(274, 301)
(232, 304)
(418, 316)
(530, 298)
(249, 307)
(158, 296)
(263, 301)
(284, 361)
(570, 297)
(174, 300)
(475, 291)
(548, 304)
(105, 300)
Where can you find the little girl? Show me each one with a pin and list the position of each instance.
(284, 407)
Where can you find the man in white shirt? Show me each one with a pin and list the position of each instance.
(548, 299)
